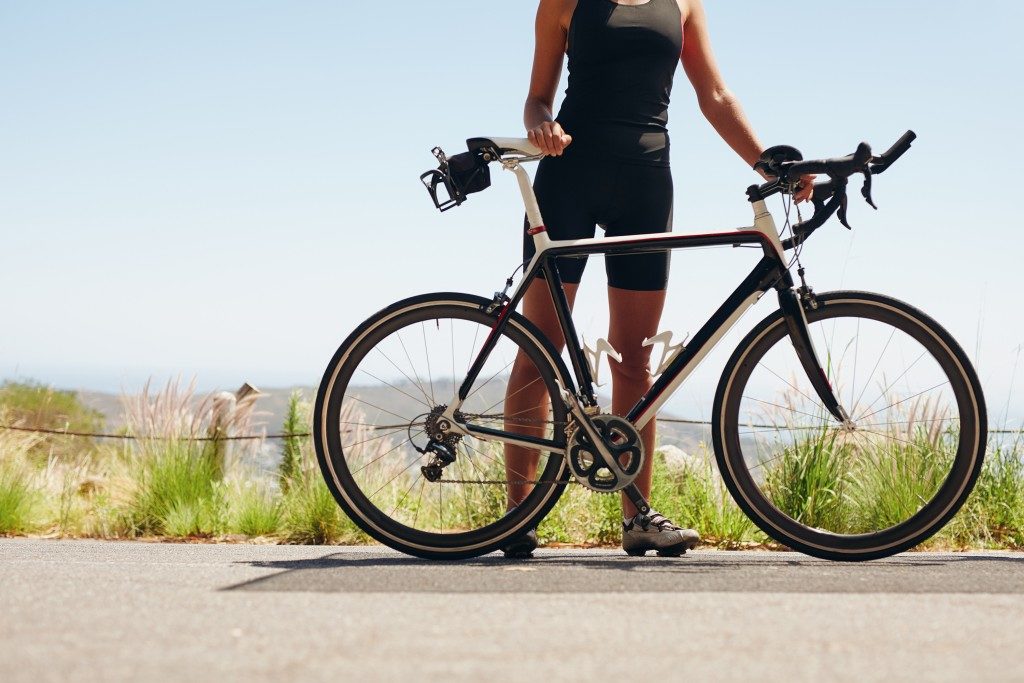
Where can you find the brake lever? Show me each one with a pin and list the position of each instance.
(844, 203)
(866, 190)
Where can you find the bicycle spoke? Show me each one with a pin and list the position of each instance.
(385, 484)
(506, 398)
(893, 383)
(404, 496)
(426, 354)
(411, 381)
(451, 331)
(365, 372)
(787, 382)
(412, 366)
(892, 405)
(856, 355)
(776, 405)
(409, 440)
(489, 380)
(356, 398)
(856, 403)
(379, 436)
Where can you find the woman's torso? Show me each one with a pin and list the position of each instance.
(622, 60)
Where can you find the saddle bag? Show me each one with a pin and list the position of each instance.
(461, 175)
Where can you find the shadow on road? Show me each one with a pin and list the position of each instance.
(559, 571)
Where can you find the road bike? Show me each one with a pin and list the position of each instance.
(846, 425)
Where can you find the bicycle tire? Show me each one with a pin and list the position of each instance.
(932, 515)
(332, 458)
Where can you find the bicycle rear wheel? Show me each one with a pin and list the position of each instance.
(851, 494)
(381, 399)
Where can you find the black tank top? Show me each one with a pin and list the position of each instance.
(622, 59)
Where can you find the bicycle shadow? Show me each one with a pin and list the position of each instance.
(575, 571)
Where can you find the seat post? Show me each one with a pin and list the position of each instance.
(536, 222)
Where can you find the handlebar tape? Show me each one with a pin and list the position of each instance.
(841, 167)
(895, 152)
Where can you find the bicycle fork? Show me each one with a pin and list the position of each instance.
(796, 322)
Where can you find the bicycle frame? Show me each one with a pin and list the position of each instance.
(772, 271)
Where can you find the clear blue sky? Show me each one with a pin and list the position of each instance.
(225, 189)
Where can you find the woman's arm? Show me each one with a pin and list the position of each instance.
(717, 103)
(541, 127)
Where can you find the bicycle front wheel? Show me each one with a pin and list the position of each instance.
(381, 401)
(873, 489)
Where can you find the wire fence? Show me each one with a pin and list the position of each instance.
(136, 437)
(300, 435)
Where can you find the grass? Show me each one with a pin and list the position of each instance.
(18, 498)
(178, 487)
(254, 511)
(178, 491)
(35, 406)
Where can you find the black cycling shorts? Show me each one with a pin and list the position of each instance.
(578, 192)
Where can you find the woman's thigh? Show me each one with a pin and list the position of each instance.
(563, 186)
(641, 203)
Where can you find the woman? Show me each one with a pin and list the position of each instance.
(608, 165)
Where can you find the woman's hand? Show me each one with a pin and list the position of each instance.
(805, 190)
(550, 137)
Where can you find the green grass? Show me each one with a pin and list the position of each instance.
(809, 481)
(19, 498)
(312, 516)
(254, 511)
(178, 491)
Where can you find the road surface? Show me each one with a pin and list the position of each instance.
(120, 611)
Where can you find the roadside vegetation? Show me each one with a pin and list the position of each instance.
(180, 484)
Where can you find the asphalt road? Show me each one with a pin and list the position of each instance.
(85, 610)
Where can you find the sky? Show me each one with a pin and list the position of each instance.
(223, 190)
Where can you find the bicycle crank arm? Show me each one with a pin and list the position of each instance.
(637, 498)
(800, 335)
(608, 459)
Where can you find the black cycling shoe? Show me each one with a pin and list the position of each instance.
(522, 547)
(656, 532)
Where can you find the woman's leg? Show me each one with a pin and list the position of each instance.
(634, 316)
(526, 398)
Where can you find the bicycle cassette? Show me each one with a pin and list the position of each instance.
(621, 438)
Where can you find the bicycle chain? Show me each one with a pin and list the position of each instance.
(504, 482)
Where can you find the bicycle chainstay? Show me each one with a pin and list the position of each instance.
(570, 428)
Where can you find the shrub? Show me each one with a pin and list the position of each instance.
(18, 497)
(253, 510)
(36, 406)
(177, 490)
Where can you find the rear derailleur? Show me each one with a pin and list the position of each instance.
(441, 445)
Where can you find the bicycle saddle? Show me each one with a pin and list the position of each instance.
(519, 145)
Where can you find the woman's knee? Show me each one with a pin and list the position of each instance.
(635, 365)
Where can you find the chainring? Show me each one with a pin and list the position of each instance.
(621, 438)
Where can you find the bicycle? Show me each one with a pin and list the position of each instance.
(824, 455)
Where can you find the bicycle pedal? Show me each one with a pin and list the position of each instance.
(672, 553)
(636, 553)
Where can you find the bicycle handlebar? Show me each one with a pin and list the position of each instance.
(829, 197)
(840, 167)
